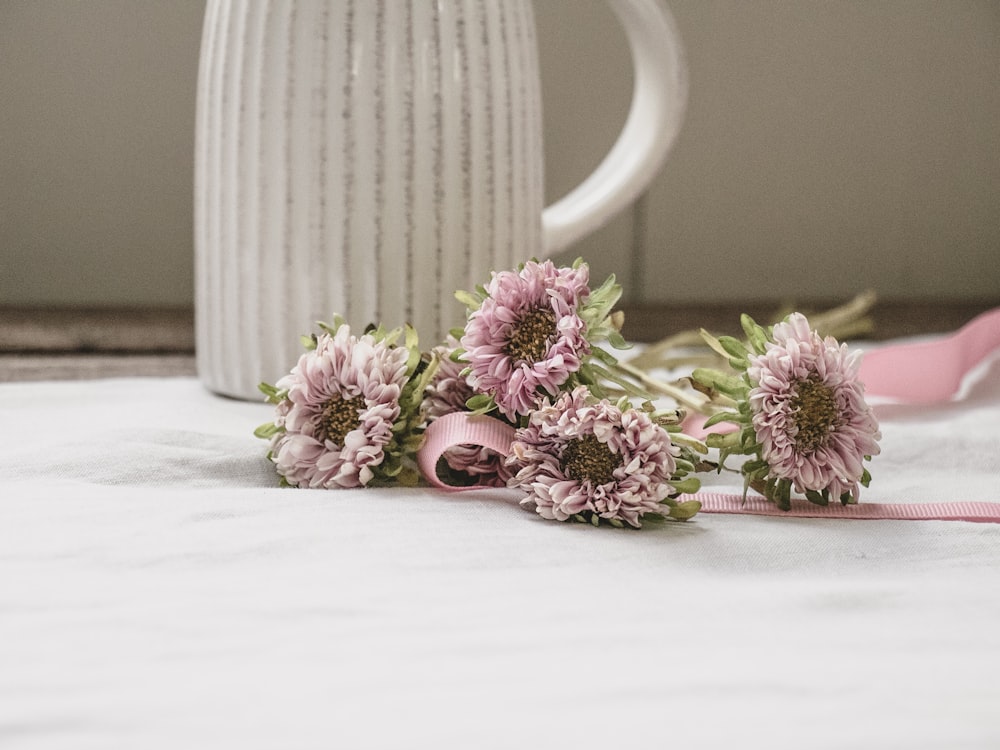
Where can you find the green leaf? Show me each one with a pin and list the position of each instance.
(468, 299)
(606, 287)
(687, 486)
(729, 385)
(818, 498)
(713, 343)
(769, 486)
(722, 416)
(729, 440)
(600, 302)
(586, 374)
(604, 356)
(274, 395)
(751, 468)
(756, 335)
(331, 328)
(481, 403)
(683, 511)
(618, 341)
(267, 430)
(478, 401)
(413, 360)
(410, 340)
(683, 467)
(412, 442)
(783, 494)
(408, 477)
(733, 347)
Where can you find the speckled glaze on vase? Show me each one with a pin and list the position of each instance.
(370, 157)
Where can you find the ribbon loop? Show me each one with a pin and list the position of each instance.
(460, 428)
(930, 371)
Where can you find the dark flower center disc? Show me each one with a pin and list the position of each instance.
(531, 336)
(589, 458)
(339, 416)
(815, 413)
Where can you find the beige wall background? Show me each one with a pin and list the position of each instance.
(829, 146)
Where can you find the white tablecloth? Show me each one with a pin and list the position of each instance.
(158, 590)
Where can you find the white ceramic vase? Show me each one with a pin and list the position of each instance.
(370, 157)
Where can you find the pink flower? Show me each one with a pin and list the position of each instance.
(342, 400)
(580, 457)
(809, 413)
(448, 392)
(449, 389)
(526, 338)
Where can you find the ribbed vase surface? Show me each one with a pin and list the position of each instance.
(360, 157)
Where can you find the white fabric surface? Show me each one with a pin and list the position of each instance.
(158, 590)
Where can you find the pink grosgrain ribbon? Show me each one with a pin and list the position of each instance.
(754, 505)
(917, 373)
(930, 371)
(460, 428)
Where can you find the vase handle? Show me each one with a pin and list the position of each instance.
(659, 97)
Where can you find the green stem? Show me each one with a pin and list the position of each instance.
(679, 395)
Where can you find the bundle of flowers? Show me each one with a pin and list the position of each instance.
(583, 439)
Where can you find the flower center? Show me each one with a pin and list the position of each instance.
(815, 414)
(589, 458)
(530, 339)
(339, 416)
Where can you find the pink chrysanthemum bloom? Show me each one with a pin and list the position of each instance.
(583, 458)
(809, 413)
(527, 338)
(449, 389)
(448, 392)
(336, 418)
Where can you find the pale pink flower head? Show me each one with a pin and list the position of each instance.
(809, 413)
(449, 389)
(337, 417)
(579, 457)
(448, 392)
(527, 338)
